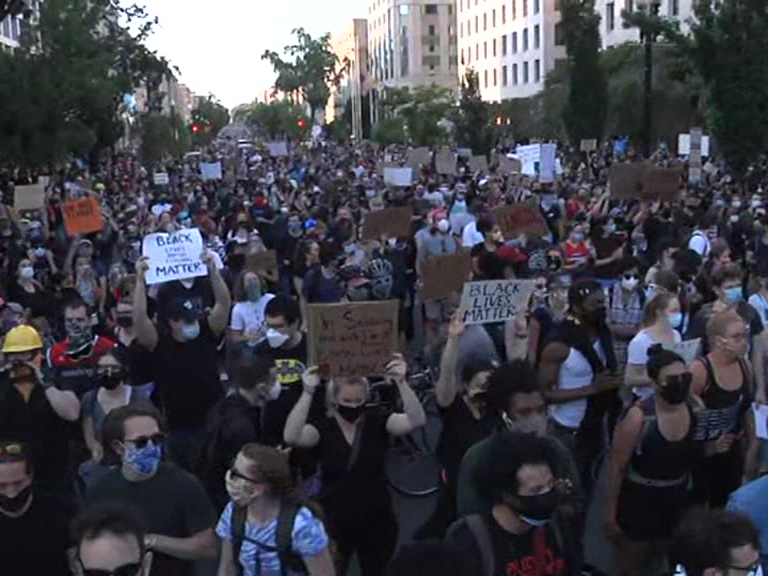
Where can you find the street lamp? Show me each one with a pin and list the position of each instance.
(648, 37)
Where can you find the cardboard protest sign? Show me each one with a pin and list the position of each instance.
(688, 350)
(663, 183)
(445, 162)
(398, 176)
(521, 218)
(713, 423)
(82, 216)
(29, 197)
(625, 179)
(353, 339)
(495, 300)
(509, 165)
(418, 157)
(478, 164)
(446, 274)
(278, 148)
(211, 170)
(264, 261)
(174, 256)
(588, 145)
(392, 222)
(160, 178)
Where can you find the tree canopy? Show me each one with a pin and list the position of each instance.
(210, 116)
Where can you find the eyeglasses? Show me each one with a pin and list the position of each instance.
(131, 569)
(751, 570)
(234, 473)
(142, 441)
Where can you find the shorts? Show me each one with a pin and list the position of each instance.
(645, 513)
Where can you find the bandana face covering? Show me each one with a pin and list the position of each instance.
(80, 337)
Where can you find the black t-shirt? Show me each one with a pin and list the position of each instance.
(139, 362)
(513, 554)
(35, 424)
(698, 325)
(36, 543)
(461, 431)
(187, 377)
(201, 293)
(173, 503)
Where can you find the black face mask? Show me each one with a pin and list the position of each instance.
(110, 381)
(14, 505)
(677, 388)
(595, 317)
(538, 509)
(350, 413)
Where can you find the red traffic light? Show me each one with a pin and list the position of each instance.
(300, 123)
(195, 128)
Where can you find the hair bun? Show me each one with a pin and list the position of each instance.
(655, 350)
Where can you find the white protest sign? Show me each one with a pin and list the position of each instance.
(174, 256)
(528, 156)
(495, 300)
(398, 176)
(684, 145)
(760, 413)
(688, 350)
(547, 162)
(160, 178)
(211, 170)
(278, 148)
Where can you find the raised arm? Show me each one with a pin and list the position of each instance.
(144, 328)
(297, 432)
(447, 387)
(217, 320)
(413, 415)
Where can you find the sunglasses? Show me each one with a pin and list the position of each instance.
(142, 441)
(124, 570)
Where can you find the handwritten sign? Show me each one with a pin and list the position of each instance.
(30, 197)
(684, 145)
(82, 216)
(264, 261)
(418, 157)
(688, 350)
(353, 339)
(446, 274)
(445, 162)
(529, 156)
(521, 218)
(398, 176)
(392, 222)
(625, 180)
(495, 300)
(588, 145)
(174, 256)
(211, 170)
(160, 178)
(478, 164)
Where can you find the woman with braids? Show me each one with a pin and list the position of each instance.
(265, 530)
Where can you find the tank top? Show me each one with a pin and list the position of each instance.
(575, 372)
(575, 253)
(724, 409)
(657, 461)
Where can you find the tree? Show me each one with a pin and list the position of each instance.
(474, 117)
(420, 112)
(584, 113)
(210, 116)
(162, 137)
(310, 70)
(278, 119)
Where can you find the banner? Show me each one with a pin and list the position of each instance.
(174, 256)
(82, 216)
(495, 300)
(353, 339)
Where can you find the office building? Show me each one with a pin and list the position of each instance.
(511, 44)
(351, 48)
(612, 30)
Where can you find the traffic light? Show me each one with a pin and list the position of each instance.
(195, 128)
(301, 123)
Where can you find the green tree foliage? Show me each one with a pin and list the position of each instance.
(418, 113)
(163, 137)
(210, 116)
(307, 70)
(68, 79)
(474, 118)
(585, 111)
(277, 120)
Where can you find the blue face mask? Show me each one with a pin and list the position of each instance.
(144, 460)
(190, 331)
(733, 294)
(675, 319)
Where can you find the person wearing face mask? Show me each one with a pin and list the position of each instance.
(321, 284)
(626, 299)
(653, 455)
(352, 443)
(525, 530)
(548, 313)
(660, 316)
(723, 382)
(248, 323)
(238, 419)
(577, 251)
(28, 515)
(184, 357)
(29, 292)
(178, 514)
(266, 528)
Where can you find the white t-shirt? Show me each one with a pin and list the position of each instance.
(759, 303)
(699, 243)
(248, 317)
(470, 236)
(637, 354)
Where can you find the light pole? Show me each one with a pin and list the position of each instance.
(648, 37)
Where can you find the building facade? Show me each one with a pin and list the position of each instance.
(511, 44)
(612, 29)
(351, 48)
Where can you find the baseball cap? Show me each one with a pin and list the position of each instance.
(475, 366)
(184, 309)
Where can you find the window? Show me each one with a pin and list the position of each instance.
(485, 50)
(504, 75)
(404, 9)
(525, 39)
(469, 28)
(462, 57)
(514, 42)
(674, 7)
(610, 22)
(514, 74)
(493, 18)
(525, 8)
(477, 51)
(503, 14)
(536, 6)
(404, 55)
(431, 30)
(536, 37)
(537, 70)
(430, 9)
(461, 29)
(477, 28)
(514, 9)
(450, 9)
(525, 72)
(495, 77)
(485, 78)
(461, 5)
(504, 45)
(431, 61)
(469, 55)
(493, 49)
(629, 5)
(559, 40)
(485, 21)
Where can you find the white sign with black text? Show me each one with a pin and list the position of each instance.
(174, 256)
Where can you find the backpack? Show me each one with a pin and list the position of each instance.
(290, 561)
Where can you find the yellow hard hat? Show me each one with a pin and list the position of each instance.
(22, 339)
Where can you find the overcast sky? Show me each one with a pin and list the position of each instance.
(218, 44)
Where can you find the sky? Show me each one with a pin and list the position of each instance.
(217, 45)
